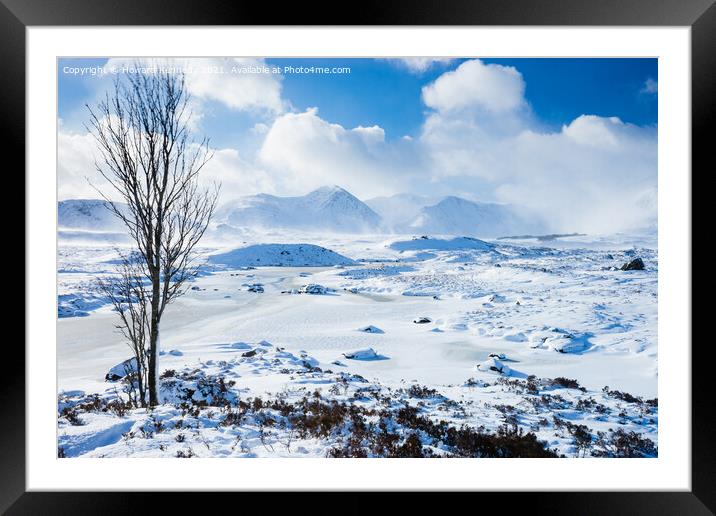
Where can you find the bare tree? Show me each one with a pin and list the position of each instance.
(127, 291)
(152, 165)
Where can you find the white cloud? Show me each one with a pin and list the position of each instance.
(586, 177)
(260, 128)
(592, 175)
(306, 152)
(650, 87)
(77, 172)
(594, 131)
(420, 65)
(246, 92)
(236, 175)
(242, 85)
(371, 135)
(75, 165)
(491, 87)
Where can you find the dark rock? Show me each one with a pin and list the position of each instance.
(314, 288)
(637, 264)
(371, 329)
(121, 370)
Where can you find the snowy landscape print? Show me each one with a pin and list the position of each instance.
(404, 257)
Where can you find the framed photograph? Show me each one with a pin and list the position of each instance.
(446, 249)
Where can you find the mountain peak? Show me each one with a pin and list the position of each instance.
(330, 190)
(326, 208)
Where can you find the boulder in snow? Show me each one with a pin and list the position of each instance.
(362, 354)
(568, 343)
(314, 288)
(494, 365)
(637, 264)
(371, 329)
(121, 370)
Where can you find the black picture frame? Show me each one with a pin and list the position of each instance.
(700, 15)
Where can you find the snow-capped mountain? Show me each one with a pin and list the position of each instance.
(457, 216)
(87, 214)
(329, 208)
(407, 213)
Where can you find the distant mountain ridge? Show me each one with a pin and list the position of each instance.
(332, 209)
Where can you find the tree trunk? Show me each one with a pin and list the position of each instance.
(153, 368)
(142, 394)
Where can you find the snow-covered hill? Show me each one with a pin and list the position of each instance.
(457, 216)
(280, 255)
(329, 208)
(87, 214)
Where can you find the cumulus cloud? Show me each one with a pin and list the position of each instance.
(75, 165)
(588, 176)
(239, 90)
(236, 175)
(594, 131)
(306, 152)
(79, 178)
(492, 87)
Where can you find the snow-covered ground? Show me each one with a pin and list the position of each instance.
(433, 310)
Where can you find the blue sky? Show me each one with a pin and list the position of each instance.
(379, 92)
(519, 131)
